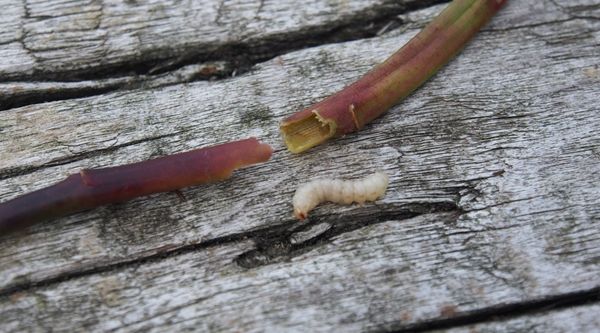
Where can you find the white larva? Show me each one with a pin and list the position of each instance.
(311, 194)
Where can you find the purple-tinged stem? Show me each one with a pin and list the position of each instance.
(95, 187)
(350, 109)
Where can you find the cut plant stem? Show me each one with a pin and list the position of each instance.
(94, 187)
(350, 109)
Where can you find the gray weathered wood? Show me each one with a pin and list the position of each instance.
(56, 39)
(124, 44)
(577, 319)
(19, 93)
(493, 200)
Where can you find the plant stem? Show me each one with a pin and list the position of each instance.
(350, 109)
(95, 187)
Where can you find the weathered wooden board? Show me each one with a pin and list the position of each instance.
(577, 319)
(62, 39)
(494, 194)
(443, 269)
(59, 50)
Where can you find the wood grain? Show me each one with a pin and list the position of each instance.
(63, 39)
(576, 319)
(493, 198)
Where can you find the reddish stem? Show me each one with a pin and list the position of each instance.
(350, 109)
(95, 187)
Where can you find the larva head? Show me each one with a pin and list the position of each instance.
(300, 214)
(304, 200)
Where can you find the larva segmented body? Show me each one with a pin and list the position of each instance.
(311, 194)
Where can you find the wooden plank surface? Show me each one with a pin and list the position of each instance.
(575, 319)
(493, 199)
(67, 49)
(62, 39)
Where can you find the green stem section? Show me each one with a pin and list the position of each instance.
(356, 105)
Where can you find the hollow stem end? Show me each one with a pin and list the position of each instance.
(308, 131)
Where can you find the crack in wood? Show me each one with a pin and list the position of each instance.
(240, 57)
(504, 311)
(271, 236)
(273, 243)
(8, 101)
(278, 247)
(244, 55)
(17, 94)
